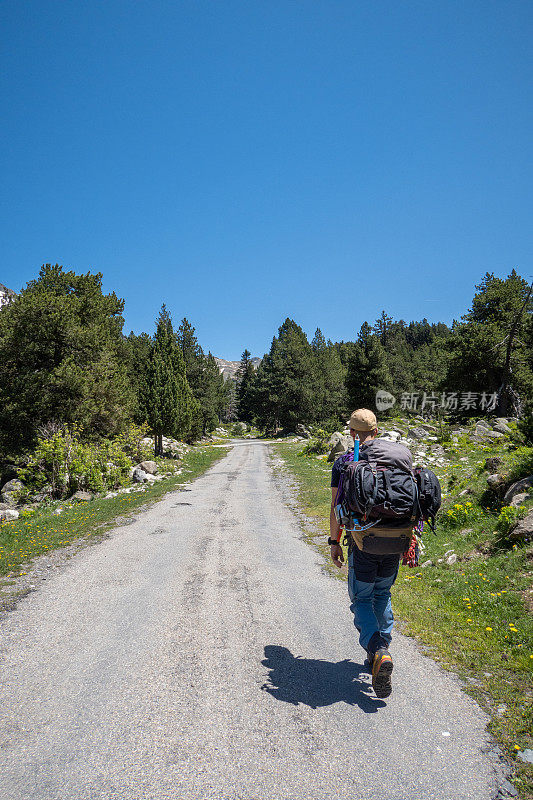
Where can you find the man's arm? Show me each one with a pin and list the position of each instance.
(337, 556)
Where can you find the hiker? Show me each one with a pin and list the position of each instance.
(370, 575)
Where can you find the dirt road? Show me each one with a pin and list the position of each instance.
(201, 653)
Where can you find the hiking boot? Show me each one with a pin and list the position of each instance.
(381, 672)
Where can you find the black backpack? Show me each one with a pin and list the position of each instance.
(382, 489)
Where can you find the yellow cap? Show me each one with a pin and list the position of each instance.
(363, 420)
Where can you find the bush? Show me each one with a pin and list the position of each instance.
(460, 514)
(318, 445)
(525, 424)
(521, 463)
(61, 464)
(509, 516)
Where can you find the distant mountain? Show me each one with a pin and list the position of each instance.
(229, 368)
(5, 295)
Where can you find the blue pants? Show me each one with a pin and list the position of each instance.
(370, 578)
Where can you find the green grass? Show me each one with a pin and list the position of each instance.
(31, 536)
(471, 616)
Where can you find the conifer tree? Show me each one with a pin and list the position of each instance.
(63, 358)
(244, 387)
(367, 370)
(167, 397)
(331, 396)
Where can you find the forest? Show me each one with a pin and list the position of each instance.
(68, 365)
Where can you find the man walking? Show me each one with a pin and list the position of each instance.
(370, 576)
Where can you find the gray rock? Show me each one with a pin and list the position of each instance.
(391, 436)
(508, 789)
(301, 430)
(10, 490)
(80, 496)
(519, 499)
(8, 515)
(523, 530)
(139, 475)
(448, 553)
(495, 435)
(339, 444)
(427, 563)
(494, 481)
(501, 427)
(525, 755)
(417, 433)
(492, 464)
(501, 710)
(148, 466)
(481, 427)
(518, 488)
(466, 531)
(451, 559)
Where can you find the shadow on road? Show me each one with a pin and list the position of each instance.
(317, 683)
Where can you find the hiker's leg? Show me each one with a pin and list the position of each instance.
(361, 574)
(387, 574)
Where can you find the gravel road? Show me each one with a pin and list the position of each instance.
(200, 652)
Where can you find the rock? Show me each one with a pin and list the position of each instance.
(481, 427)
(466, 531)
(495, 435)
(417, 433)
(428, 563)
(501, 426)
(391, 436)
(523, 530)
(8, 515)
(518, 488)
(525, 755)
(139, 475)
(507, 788)
(58, 511)
(148, 466)
(80, 496)
(451, 559)
(492, 464)
(448, 553)
(10, 490)
(301, 430)
(495, 481)
(519, 499)
(339, 444)
(501, 710)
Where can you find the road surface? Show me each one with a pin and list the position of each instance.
(201, 653)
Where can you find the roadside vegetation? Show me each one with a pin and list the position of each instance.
(471, 605)
(56, 524)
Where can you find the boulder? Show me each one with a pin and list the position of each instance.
(148, 466)
(8, 515)
(391, 436)
(501, 426)
(495, 481)
(523, 530)
(451, 559)
(10, 491)
(417, 433)
(494, 435)
(139, 475)
(519, 499)
(492, 464)
(80, 496)
(301, 430)
(339, 444)
(519, 487)
(482, 427)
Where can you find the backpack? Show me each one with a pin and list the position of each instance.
(381, 498)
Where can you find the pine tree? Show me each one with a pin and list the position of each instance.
(367, 370)
(63, 358)
(331, 396)
(168, 401)
(244, 387)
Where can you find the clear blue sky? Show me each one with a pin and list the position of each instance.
(243, 160)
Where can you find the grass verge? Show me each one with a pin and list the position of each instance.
(22, 540)
(472, 616)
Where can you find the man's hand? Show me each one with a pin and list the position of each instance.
(337, 556)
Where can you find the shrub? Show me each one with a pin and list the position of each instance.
(62, 463)
(460, 514)
(318, 444)
(509, 516)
